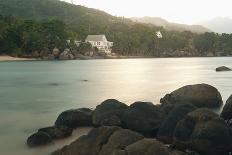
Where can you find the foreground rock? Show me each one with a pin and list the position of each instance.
(203, 131)
(200, 95)
(38, 139)
(143, 117)
(222, 68)
(75, 118)
(119, 140)
(227, 110)
(166, 130)
(115, 141)
(90, 144)
(108, 113)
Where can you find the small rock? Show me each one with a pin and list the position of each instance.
(38, 139)
(222, 68)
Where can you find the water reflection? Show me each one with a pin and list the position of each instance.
(34, 93)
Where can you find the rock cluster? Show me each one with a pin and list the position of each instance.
(182, 124)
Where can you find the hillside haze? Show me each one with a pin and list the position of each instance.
(219, 25)
(157, 21)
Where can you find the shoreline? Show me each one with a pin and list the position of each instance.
(5, 58)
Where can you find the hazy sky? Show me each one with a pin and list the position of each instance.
(182, 11)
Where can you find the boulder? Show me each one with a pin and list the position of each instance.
(227, 110)
(35, 54)
(147, 147)
(166, 130)
(56, 52)
(119, 140)
(66, 55)
(38, 139)
(203, 131)
(185, 127)
(213, 137)
(44, 53)
(90, 144)
(108, 113)
(200, 95)
(75, 118)
(57, 132)
(222, 68)
(143, 117)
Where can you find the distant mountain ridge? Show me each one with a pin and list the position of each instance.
(157, 21)
(219, 25)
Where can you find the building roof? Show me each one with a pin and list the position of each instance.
(96, 38)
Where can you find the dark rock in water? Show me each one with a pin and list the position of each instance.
(147, 147)
(200, 95)
(166, 130)
(75, 118)
(222, 68)
(108, 113)
(57, 132)
(227, 110)
(203, 131)
(143, 117)
(38, 139)
(90, 144)
(119, 140)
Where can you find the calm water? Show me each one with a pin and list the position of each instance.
(32, 94)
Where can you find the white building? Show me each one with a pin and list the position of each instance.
(100, 42)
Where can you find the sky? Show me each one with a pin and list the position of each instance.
(181, 11)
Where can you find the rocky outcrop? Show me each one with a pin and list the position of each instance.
(75, 118)
(66, 55)
(90, 144)
(223, 68)
(166, 130)
(200, 95)
(202, 130)
(108, 113)
(227, 110)
(143, 117)
(38, 139)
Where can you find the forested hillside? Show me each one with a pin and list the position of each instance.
(29, 25)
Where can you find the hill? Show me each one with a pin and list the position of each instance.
(219, 25)
(157, 21)
(28, 26)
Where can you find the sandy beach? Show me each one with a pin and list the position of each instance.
(10, 58)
